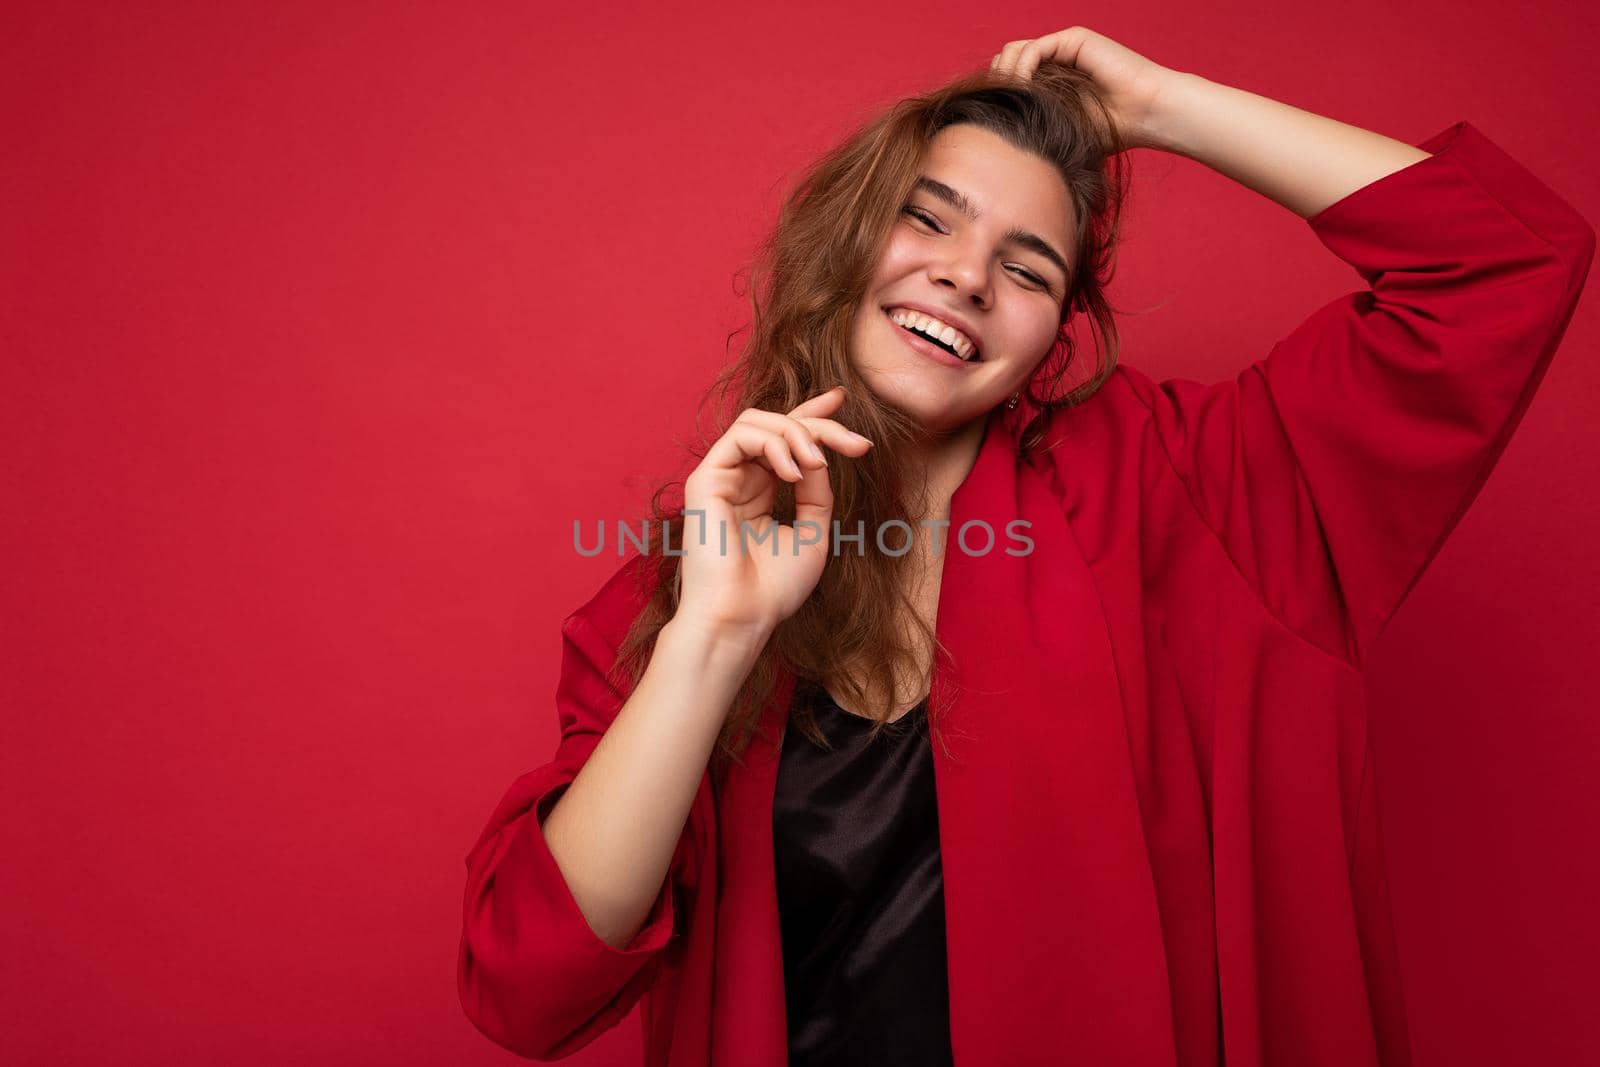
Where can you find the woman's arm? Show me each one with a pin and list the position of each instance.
(614, 830)
(573, 889)
(1303, 161)
(1333, 469)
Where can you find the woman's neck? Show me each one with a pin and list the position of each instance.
(946, 461)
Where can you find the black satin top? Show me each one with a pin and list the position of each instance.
(861, 892)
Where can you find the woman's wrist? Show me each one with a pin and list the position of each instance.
(715, 643)
(1165, 126)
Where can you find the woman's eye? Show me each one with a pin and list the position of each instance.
(927, 220)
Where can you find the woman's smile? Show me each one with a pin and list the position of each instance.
(926, 348)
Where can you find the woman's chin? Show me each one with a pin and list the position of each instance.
(933, 414)
(930, 402)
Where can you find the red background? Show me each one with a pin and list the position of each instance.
(321, 325)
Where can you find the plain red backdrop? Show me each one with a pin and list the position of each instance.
(321, 323)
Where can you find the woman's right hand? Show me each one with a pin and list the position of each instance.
(744, 587)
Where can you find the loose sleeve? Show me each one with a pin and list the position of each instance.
(532, 974)
(1333, 470)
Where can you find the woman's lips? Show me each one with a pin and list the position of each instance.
(922, 346)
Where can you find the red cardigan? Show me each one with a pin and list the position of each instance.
(1158, 830)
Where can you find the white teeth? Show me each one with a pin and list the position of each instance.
(934, 328)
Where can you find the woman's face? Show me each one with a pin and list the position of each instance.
(982, 244)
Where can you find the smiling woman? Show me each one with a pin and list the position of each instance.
(1126, 812)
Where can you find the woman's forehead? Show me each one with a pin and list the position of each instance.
(990, 179)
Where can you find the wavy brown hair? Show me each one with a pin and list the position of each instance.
(810, 274)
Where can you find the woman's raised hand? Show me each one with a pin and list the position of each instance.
(1130, 84)
(742, 570)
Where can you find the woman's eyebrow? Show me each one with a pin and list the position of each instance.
(1020, 237)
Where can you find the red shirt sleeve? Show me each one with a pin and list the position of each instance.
(1333, 469)
(532, 975)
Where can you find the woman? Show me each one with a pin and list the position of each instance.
(1153, 838)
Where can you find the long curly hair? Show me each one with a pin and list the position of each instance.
(808, 278)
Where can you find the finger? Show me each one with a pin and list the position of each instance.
(1036, 52)
(806, 434)
(836, 436)
(765, 435)
(745, 442)
(1063, 47)
(779, 453)
(813, 502)
(1007, 59)
(778, 422)
(1028, 60)
(821, 404)
(802, 446)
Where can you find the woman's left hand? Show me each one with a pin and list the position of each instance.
(1130, 84)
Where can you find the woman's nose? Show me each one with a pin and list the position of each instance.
(968, 274)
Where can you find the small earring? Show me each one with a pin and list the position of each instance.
(1011, 405)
